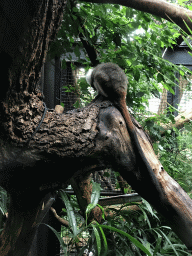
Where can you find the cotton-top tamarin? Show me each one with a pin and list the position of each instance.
(110, 81)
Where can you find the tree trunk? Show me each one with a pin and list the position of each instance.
(27, 27)
(29, 172)
(25, 214)
(45, 242)
(27, 30)
(83, 189)
(171, 12)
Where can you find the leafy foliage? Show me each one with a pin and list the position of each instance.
(135, 41)
(132, 39)
(174, 149)
(146, 226)
(138, 231)
(86, 94)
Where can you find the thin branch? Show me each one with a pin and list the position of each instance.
(180, 121)
(61, 220)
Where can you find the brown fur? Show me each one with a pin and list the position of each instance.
(110, 81)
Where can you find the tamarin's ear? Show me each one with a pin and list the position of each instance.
(89, 76)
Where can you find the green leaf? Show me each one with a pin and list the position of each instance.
(75, 9)
(160, 78)
(149, 208)
(182, 73)
(171, 91)
(128, 12)
(103, 211)
(70, 213)
(187, 42)
(169, 242)
(76, 104)
(132, 239)
(125, 190)
(136, 74)
(104, 241)
(98, 239)
(96, 188)
(167, 87)
(106, 174)
(64, 64)
(95, 193)
(58, 235)
(158, 245)
(77, 51)
(74, 17)
(140, 94)
(188, 27)
(117, 174)
(89, 208)
(187, 127)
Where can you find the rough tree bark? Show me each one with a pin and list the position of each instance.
(87, 140)
(27, 27)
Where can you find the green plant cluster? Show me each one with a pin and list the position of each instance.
(132, 39)
(135, 41)
(174, 148)
(135, 232)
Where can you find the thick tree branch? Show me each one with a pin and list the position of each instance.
(108, 145)
(156, 186)
(163, 9)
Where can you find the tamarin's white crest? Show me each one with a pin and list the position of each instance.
(91, 81)
(88, 76)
